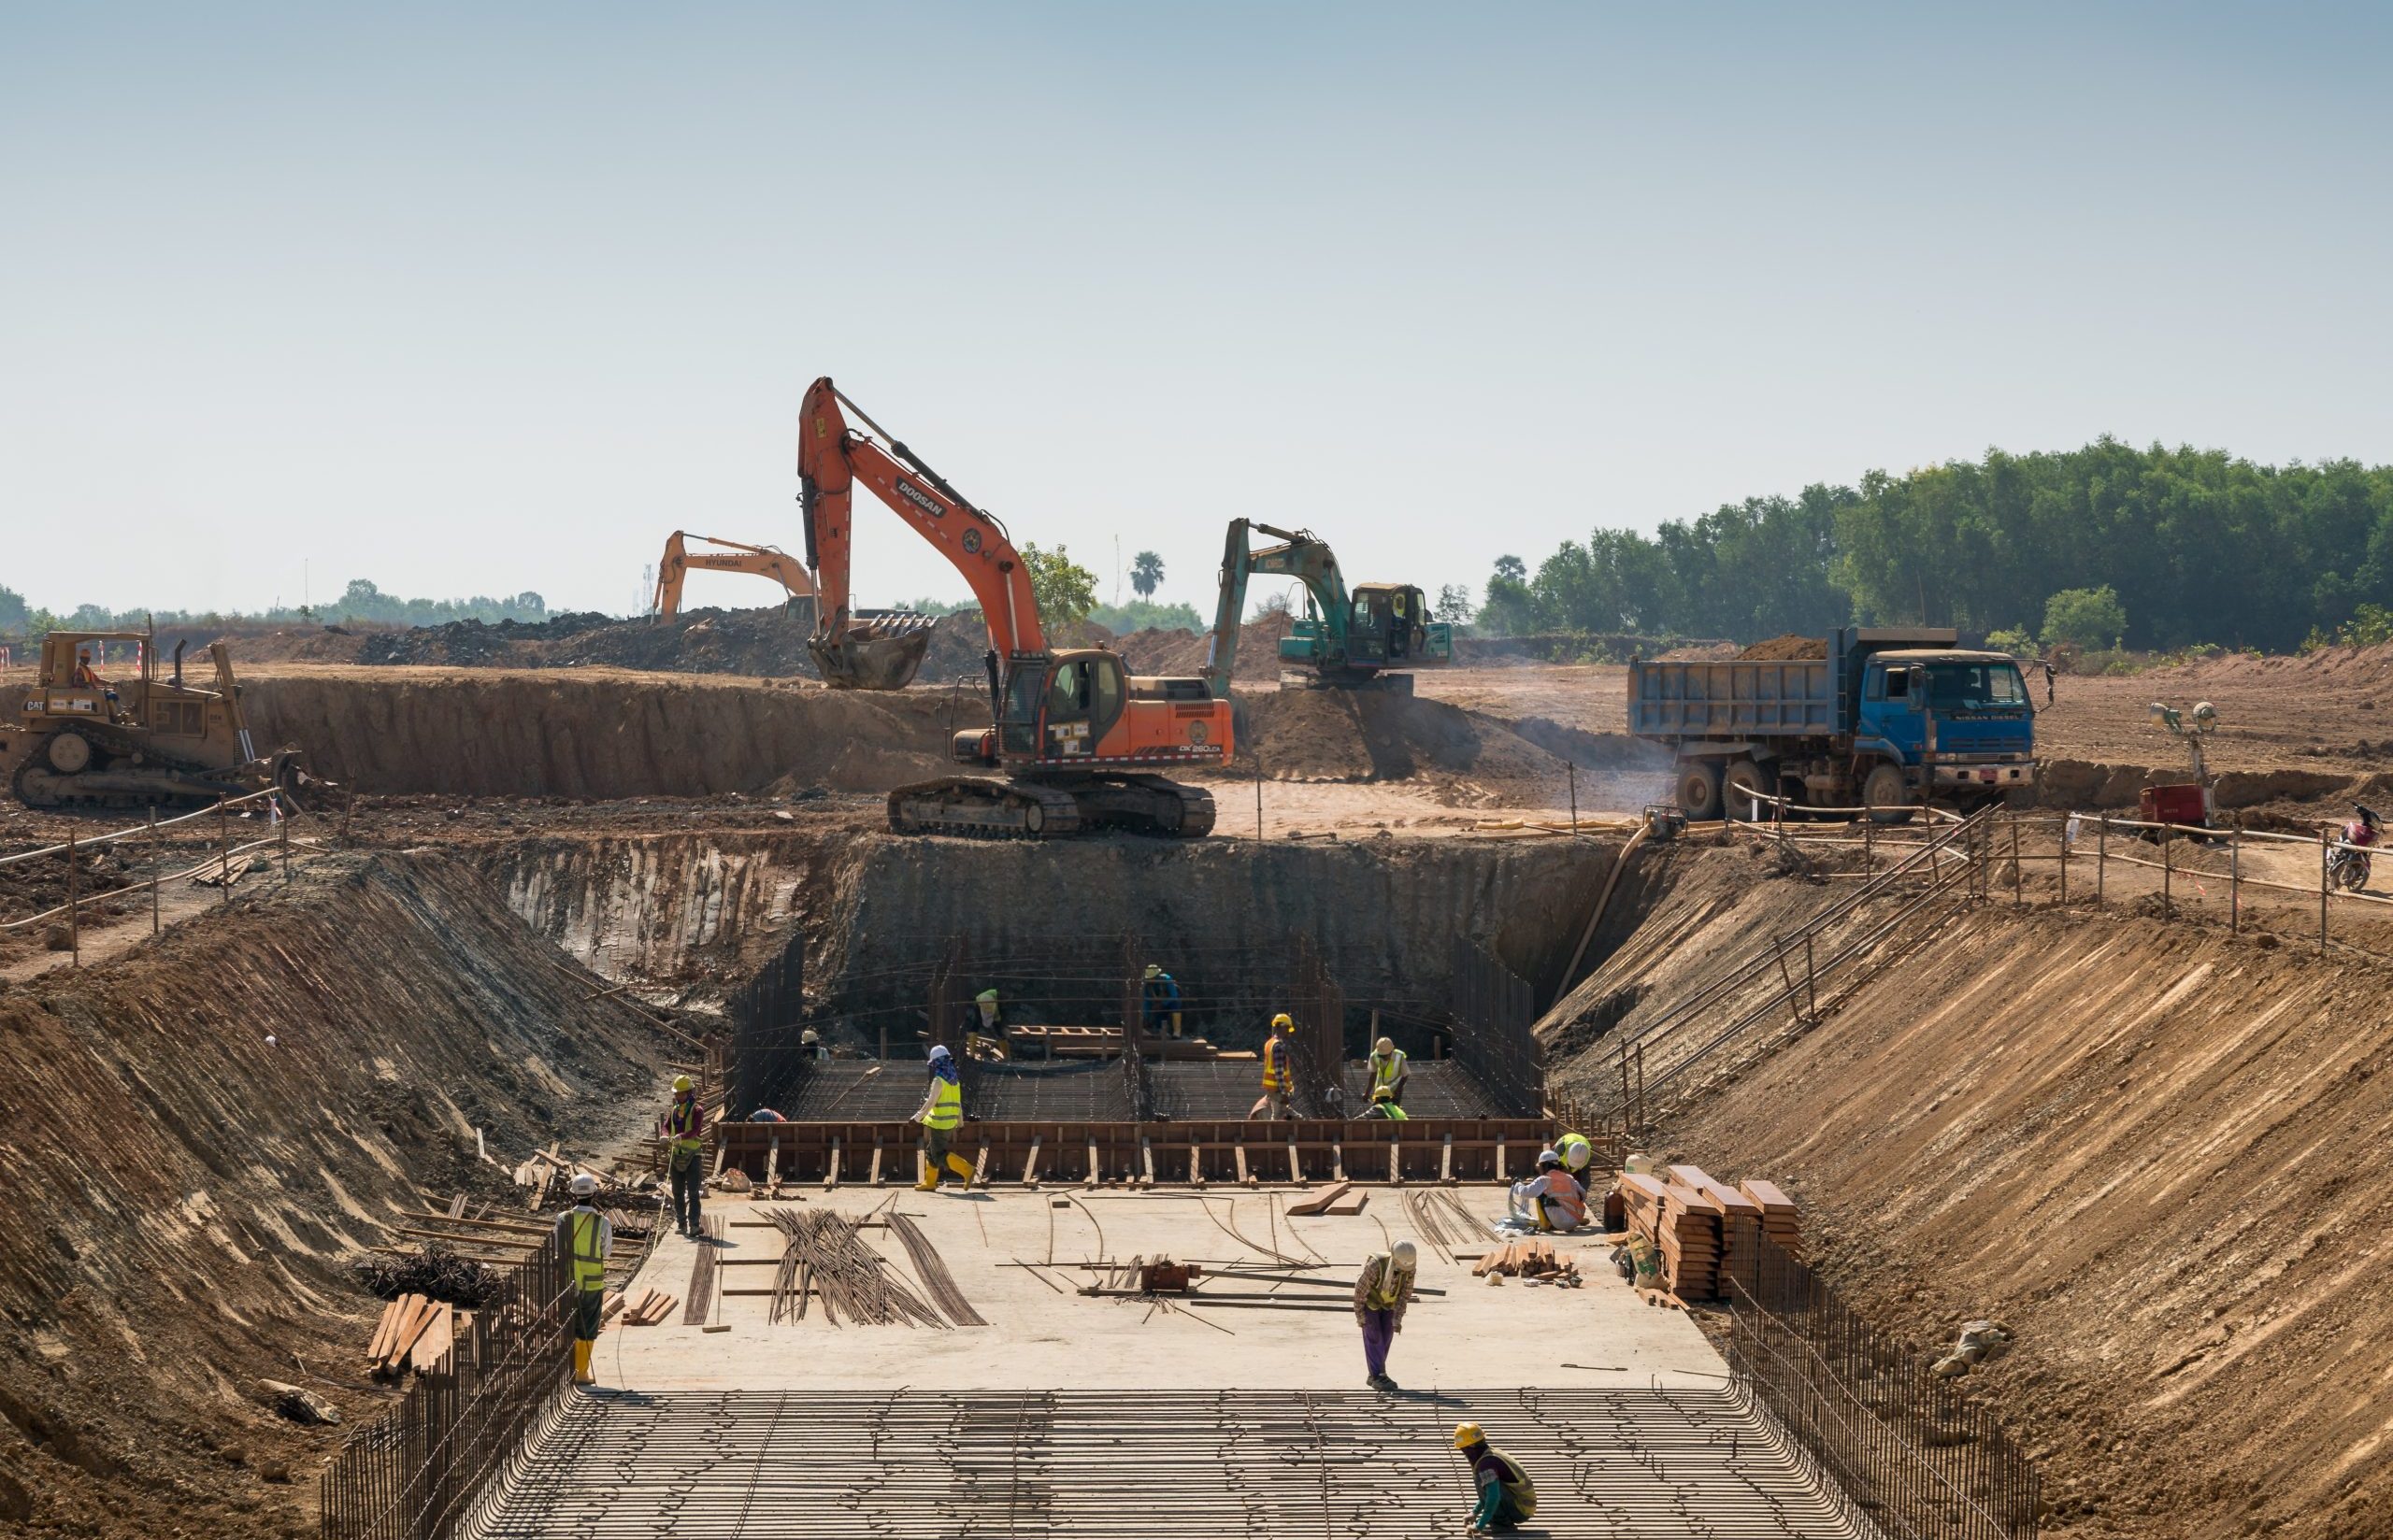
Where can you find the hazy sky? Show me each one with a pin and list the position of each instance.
(487, 298)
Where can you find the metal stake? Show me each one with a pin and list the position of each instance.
(225, 851)
(154, 871)
(2235, 883)
(74, 905)
(1574, 798)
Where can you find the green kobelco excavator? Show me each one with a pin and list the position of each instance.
(1346, 640)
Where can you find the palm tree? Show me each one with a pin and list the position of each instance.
(1146, 573)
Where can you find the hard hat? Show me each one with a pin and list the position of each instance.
(583, 1185)
(989, 994)
(1467, 1434)
(938, 1051)
(1404, 1256)
(810, 1035)
(1547, 1157)
(1384, 1044)
(1383, 1093)
(682, 1082)
(1282, 1023)
(1155, 970)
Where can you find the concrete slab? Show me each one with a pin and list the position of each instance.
(1043, 1334)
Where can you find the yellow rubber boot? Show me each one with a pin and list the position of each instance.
(962, 1167)
(930, 1180)
(582, 1375)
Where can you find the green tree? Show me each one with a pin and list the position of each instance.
(2090, 617)
(1064, 590)
(1454, 604)
(1146, 574)
(16, 616)
(1510, 610)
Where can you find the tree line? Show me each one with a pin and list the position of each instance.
(361, 601)
(2194, 545)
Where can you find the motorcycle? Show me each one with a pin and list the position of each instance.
(2347, 864)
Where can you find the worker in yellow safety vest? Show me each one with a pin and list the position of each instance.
(941, 1113)
(586, 1238)
(1389, 1069)
(1381, 1294)
(1278, 1069)
(1505, 1497)
(684, 1130)
(1384, 1105)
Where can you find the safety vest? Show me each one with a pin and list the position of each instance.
(1275, 1074)
(589, 1257)
(1388, 1110)
(682, 1125)
(1387, 1071)
(1507, 1475)
(1384, 1293)
(947, 1104)
(1564, 1193)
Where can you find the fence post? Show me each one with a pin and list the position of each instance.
(2235, 882)
(225, 852)
(1869, 841)
(1258, 798)
(2323, 856)
(2016, 898)
(2062, 841)
(2168, 838)
(282, 822)
(154, 871)
(1574, 800)
(74, 905)
(2101, 854)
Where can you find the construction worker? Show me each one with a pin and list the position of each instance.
(587, 1239)
(809, 1045)
(684, 1131)
(86, 678)
(1552, 1197)
(987, 1002)
(1162, 996)
(1577, 1155)
(941, 1113)
(1279, 1070)
(1388, 1068)
(1383, 1105)
(1381, 1294)
(1506, 1496)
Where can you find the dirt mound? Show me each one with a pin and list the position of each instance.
(1787, 648)
(1182, 653)
(601, 734)
(184, 1198)
(1380, 736)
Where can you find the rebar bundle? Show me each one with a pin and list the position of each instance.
(932, 1268)
(824, 1258)
(433, 1271)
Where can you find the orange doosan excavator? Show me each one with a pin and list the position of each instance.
(1082, 744)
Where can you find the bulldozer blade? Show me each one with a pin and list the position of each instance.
(861, 661)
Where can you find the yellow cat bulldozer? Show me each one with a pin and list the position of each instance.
(91, 733)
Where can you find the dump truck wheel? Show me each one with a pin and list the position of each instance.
(1739, 786)
(1882, 791)
(1699, 790)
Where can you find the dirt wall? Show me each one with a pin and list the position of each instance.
(182, 1196)
(2153, 1152)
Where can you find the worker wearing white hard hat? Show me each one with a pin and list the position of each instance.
(1381, 1294)
(1553, 1198)
(941, 1114)
(587, 1239)
(1389, 1069)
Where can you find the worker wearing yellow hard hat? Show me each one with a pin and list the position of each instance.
(1160, 994)
(1278, 1069)
(1389, 1069)
(1383, 1105)
(1506, 1498)
(685, 1132)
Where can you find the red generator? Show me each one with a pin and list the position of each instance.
(2186, 805)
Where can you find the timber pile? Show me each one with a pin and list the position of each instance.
(650, 1308)
(1703, 1227)
(413, 1330)
(1533, 1260)
(1336, 1198)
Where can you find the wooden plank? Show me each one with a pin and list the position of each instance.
(1239, 1149)
(1147, 1159)
(1350, 1204)
(498, 1242)
(1321, 1201)
(1446, 1161)
(439, 1341)
(831, 1178)
(1091, 1180)
(388, 1327)
(1499, 1157)
(416, 1324)
(1337, 1161)
(1295, 1165)
(773, 1163)
(980, 1168)
(1195, 1166)
(457, 1207)
(1030, 1163)
(1395, 1164)
(874, 1180)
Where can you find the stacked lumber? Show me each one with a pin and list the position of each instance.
(1530, 1258)
(1740, 1219)
(413, 1329)
(1684, 1224)
(1320, 1202)
(650, 1308)
(1779, 1219)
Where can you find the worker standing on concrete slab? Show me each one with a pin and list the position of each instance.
(809, 1045)
(1553, 1197)
(1389, 1068)
(587, 1239)
(1381, 1294)
(1384, 1105)
(1506, 1496)
(1279, 1070)
(1162, 996)
(685, 1145)
(941, 1113)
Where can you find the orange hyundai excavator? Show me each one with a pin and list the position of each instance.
(733, 556)
(1082, 744)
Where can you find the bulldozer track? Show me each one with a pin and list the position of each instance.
(112, 742)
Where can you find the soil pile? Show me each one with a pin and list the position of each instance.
(602, 733)
(1181, 654)
(2150, 1149)
(184, 1198)
(1381, 736)
(1787, 648)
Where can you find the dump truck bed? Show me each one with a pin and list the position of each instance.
(1737, 699)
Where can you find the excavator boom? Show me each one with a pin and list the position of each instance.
(831, 459)
(679, 562)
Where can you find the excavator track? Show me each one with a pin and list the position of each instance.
(985, 808)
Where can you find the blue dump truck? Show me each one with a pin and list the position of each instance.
(1883, 717)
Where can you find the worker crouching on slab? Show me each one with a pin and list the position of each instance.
(1505, 1497)
(941, 1113)
(587, 1239)
(1381, 1294)
(1552, 1197)
(1383, 1105)
(685, 1141)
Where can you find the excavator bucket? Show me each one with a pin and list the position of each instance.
(880, 649)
